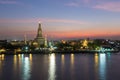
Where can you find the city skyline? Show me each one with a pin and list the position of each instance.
(61, 19)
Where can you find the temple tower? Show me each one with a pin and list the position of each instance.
(39, 33)
(39, 38)
(46, 41)
(25, 39)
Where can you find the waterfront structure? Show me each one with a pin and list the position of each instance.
(40, 44)
(25, 39)
(3, 43)
(17, 43)
(36, 44)
(46, 42)
(40, 40)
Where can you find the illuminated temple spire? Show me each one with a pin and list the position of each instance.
(39, 38)
(39, 33)
(25, 39)
(45, 44)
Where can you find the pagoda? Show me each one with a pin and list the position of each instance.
(39, 38)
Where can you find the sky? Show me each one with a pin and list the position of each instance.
(60, 19)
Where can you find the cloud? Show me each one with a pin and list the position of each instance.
(45, 20)
(109, 6)
(77, 3)
(64, 21)
(8, 2)
(86, 1)
(72, 4)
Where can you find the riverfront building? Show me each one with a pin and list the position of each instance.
(40, 41)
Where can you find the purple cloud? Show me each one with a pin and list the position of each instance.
(73, 4)
(86, 1)
(109, 6)
(8, 2)
(42, 20)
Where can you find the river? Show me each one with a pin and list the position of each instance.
(60, 66)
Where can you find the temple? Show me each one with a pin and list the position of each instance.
(39, 38)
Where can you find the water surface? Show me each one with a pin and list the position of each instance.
(60, 67)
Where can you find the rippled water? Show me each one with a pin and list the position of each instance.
(60, 67)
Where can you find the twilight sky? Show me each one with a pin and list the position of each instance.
(61, 19)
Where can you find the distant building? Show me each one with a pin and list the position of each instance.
(3, 43)
(40, 40)
(16, 43)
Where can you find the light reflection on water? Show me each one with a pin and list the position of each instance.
(63, 66)
(2, 57)
(96, 59)
(23, 62)
(52, 67)
(72, 66)
(15, 63)
(72, 60)
(102, 66)
(63, 60)
(1, 62)
(26, 69)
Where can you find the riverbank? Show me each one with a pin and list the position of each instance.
(57, 51)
